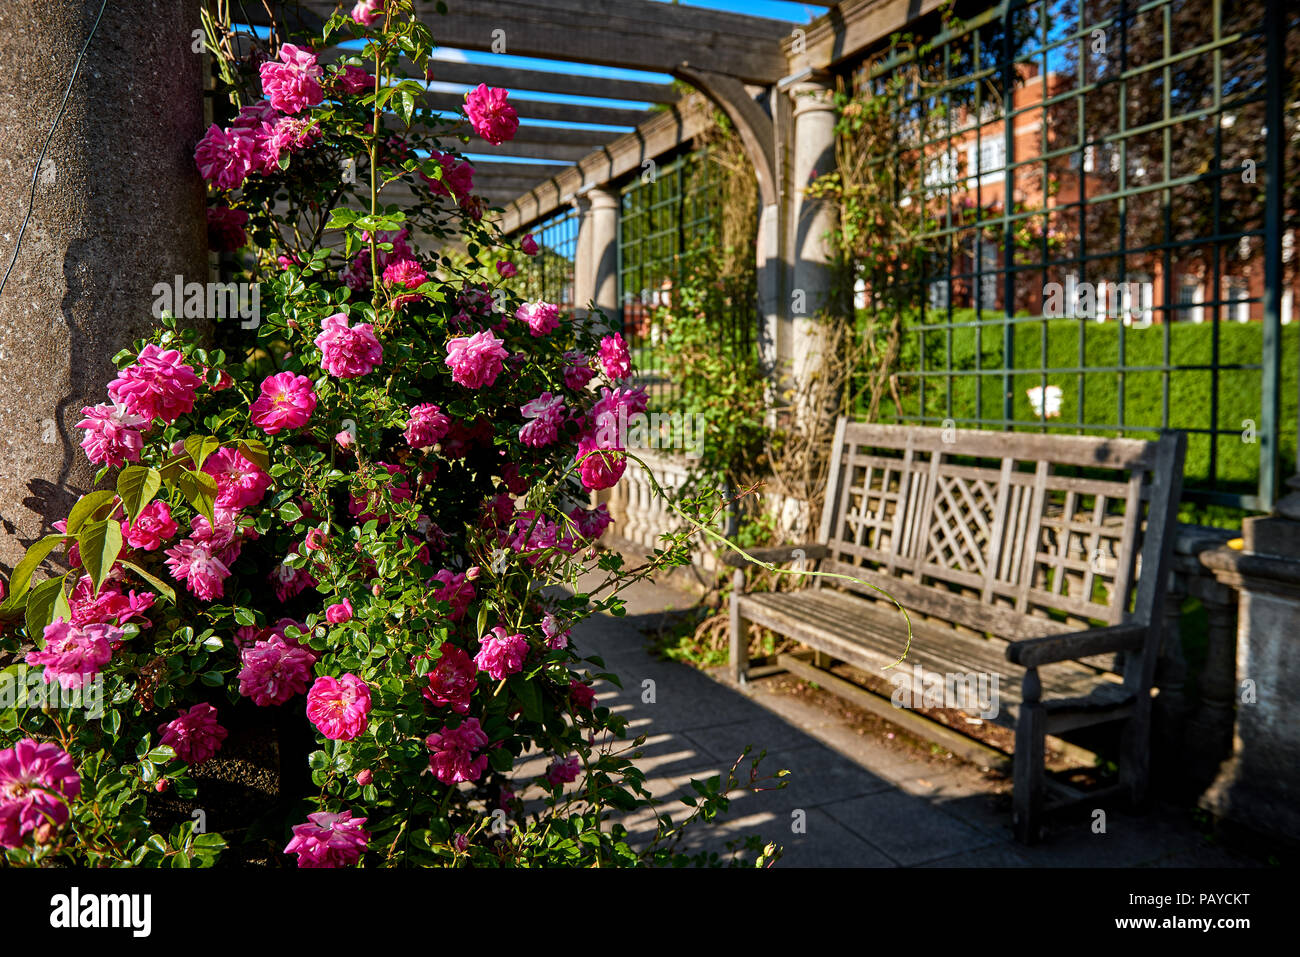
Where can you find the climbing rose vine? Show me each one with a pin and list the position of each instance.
(332, 529)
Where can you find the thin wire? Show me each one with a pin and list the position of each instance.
(31, 198)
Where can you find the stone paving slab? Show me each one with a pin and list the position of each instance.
(849, 801)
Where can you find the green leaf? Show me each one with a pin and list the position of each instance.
(529, 696)
(88, 505)
(290, 512)
(255, 451)
(161, 754)
(22, 576)
(136, 486)
(40, 606)
(200, 490)
(100, 544)
(153, 580)
(200, 447)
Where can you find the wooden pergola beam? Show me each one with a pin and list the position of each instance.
(555, 152)
(542, 81)
(537, 171)
(539, 110)
(850, 28)
(632, 34)
(656, 136)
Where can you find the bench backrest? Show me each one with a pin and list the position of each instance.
(1018, 534)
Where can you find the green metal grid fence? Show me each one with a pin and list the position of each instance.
(1144, 163)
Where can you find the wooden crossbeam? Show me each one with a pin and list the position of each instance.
(556, 152)
(542, 81)
(634, 34)
(539, 110)
(558, 136)
(656, 136)
(537, 171)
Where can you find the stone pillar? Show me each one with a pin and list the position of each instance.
(584, 289)
(812, 150)
(119, 207)
(1260, 785)
(604, 249)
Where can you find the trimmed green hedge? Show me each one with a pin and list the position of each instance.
(1189, 400)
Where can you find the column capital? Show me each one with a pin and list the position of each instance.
(601, 198)
(811, 96)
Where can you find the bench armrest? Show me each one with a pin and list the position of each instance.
(776, 556)
(1077, 644)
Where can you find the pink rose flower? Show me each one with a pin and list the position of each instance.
(293, 84)
(287, 402)
(241, 483)
(541, 317)
(475, 361)
(289, 582)
(545, 415)
(367, 11)
(456, 590)
(451, 752)
(453, 680)
(348, 352)
(583, 695)
(109, 607)
(225, 158)
(591, 524)
(408, 274)
(557, 636)
(614, 408)
(274, 671)
(353, 79)
(338, 707)
(598, 466)
(114, 436)
(338, 614)
(491, 116)
(72, 654)
(577, 370)
(457, 180)
(226, 229)
(562, 771)
(426, 426)
(197, 564)
(345, 440)
(500, 654)
(195, 735)
(529, 245)
(38, 783)
(158, 385)
(329, 840)
(506, 269)
(614, 357)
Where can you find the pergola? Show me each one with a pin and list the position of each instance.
(771, 78)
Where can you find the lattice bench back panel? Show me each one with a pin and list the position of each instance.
(1002, 526)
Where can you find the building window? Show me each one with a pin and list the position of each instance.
(940, 294)
(987, 159)
(1236, 293)
(1189, 300)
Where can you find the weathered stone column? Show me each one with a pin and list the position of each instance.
(812, 151)
(119, 206)
(1260, 786)
(603, 221)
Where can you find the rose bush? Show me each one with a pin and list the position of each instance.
(344, 519)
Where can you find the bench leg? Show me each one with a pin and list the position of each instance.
(739, 640)
(1135, 754)
(1029, 770)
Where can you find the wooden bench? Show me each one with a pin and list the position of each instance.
(1038, 559)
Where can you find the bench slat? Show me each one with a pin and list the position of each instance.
(872, 636)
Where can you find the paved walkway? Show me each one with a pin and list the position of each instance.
(850, 801)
